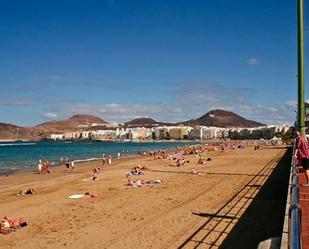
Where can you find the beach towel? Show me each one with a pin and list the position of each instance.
(76, 196)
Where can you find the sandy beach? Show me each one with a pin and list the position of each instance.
(158, 216)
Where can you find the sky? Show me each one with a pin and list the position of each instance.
(171, 60)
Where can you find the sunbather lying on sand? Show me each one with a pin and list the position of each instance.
(142, 183)
(156, 181)
(136, 183)
(8, 225)
(178, 163)
(94, 174)
(78, 196)
(29, 191)
(141, 167)
(135, 173)
(194, 172)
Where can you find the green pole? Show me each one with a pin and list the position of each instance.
(301, 98)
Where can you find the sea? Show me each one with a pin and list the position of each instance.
(24, 156)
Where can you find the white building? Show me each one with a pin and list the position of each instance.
(72, 135)
(57, 136)
(139, 133)
(104, 135)
(205, 132)
(86, 134)
(161, 132)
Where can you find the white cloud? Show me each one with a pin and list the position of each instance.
(122, 113)
(197, 99)
(50, 115)
(190, 101)
(291, 104)
(252, 61)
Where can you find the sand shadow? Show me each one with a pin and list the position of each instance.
(262, 219)
(204, 173)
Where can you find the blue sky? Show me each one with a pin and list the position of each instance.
(171, 60)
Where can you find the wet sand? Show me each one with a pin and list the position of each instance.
(158, 216)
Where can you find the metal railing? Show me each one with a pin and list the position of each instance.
(295, 233)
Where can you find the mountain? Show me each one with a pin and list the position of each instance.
(13, 132)
(218, 118)
(146, 122)
(142, 122)
(86, 119)
(71, 123)
(225, 119)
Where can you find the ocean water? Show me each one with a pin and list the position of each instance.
(23, 156)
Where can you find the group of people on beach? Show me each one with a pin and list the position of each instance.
(68, 163)
(178, 157)
(106, 159)
(44, 167)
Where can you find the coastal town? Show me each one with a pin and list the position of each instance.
(154, 124)
(118, 133)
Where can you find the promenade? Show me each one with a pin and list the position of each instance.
(304, 204)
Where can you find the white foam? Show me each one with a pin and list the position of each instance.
(17, 144)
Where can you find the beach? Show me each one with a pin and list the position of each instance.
(118, 216)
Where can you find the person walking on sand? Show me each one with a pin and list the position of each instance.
(72, 164)
(103, 159)
(40, 167)
(302, 155)
(109, 159)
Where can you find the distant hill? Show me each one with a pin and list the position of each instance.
(225, 119)
(146, 122)
(141, 122)
(218, 118)
(13, 132)
(70, 123)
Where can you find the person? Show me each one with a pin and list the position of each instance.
(94, 174)
(45, 167)
(40, 166)
(201, 161)
(8, 225)
(118, 155)
(103, 159)
(29, 191)
(302, 155)
(109, 159)
(72, 165)
(67, 165)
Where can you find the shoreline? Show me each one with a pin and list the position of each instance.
(138, 215)
(56, 164)
(86, 160)
(117, 141)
